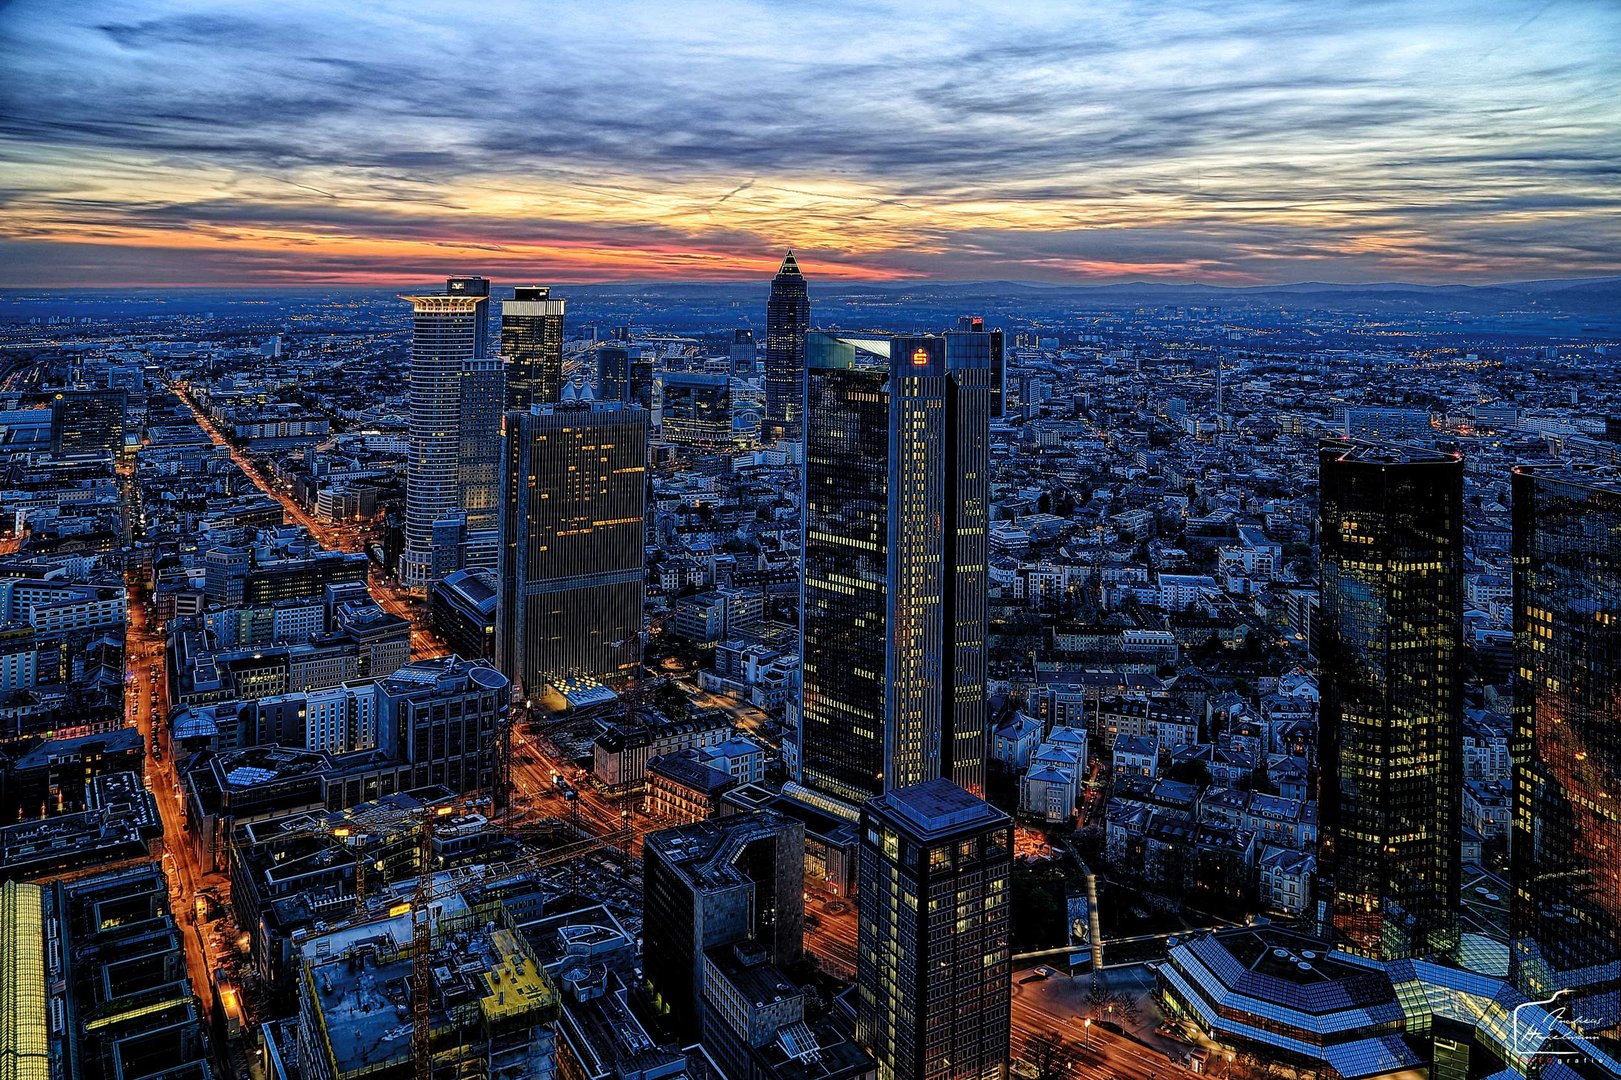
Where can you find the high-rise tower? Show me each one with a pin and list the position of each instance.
(787, 318)
(1565, 918)
(571, 566)
(1390, 791)
(532, 346)
(896, 495)
(933, 986)
(453, 469)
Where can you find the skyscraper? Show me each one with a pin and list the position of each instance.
(1566, 751)
(974, 324)
(933, 984)
(88, 421)
(742, 351)
(1390, 790)
(896, 493)
(624, 377)
(532, 346)
(571, 564)
(696, 409)
(787, 318)
(455, 422)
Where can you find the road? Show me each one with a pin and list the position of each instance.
(1058, 1005)
(833, 939)
(143, 658)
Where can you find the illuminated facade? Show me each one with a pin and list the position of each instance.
(933, 973)
(695, 409)
(571, 564)
(896, 499)
(787, 318)
(1566, 842)
(456, 392)
(991, 341)
(86, 421)
(532, 346)
(1390, 794)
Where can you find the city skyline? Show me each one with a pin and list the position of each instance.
(147, 144)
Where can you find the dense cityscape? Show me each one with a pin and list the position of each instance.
(646, 682)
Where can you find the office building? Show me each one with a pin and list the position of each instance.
(439, 718)
(932, 962)
(971, 329)
(452, 472)
(787, 318)
(1389, 752)
(742, 351)
(695, 409)
(532, 346)
(87, 421)
(1566, 747)
(713, 885)
(624, 377)
(893, 596)
(571, 568)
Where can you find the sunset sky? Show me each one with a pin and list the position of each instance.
(1226, 141)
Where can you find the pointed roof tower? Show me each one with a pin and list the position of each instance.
(789, 267)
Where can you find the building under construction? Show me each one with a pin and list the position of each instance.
(490, 1011)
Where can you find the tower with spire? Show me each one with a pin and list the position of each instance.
(787, 317)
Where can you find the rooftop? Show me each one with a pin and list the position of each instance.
(938, 808)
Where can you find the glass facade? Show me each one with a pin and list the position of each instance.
(573, 529)
(1390, 785)
(787, 318)
(1566, 841)
(448, 332)
(622, 377)
(896, 493)
(532, 346)
(696, 409)
(933, 971)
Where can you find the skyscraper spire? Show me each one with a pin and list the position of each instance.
(787, 317)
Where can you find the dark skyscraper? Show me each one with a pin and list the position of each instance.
(973, 324)
(1566, 842)
(1390, 793)
(932, 961)
(896, 492)
(532, 346)
(623, 377)
(742, 352)
(87, 421)
(571, 566)
(787, 318)
(696, 409)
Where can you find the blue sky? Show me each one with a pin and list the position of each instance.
(1229, 142)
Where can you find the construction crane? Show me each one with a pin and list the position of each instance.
(431, 886)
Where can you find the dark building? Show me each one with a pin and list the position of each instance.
(463, 609)
(1566, 748)
(696, 409)
(532, 346)
(787, 318)
(932, 963)
(733, 881)
(572, 559)
(896, 496)
(624, 378)
(742, 351)
(87, 421)
(1389, 753)
(992, 341)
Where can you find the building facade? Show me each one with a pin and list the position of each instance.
(1389, 754)
(532, 346)
(455, 403)
(695, 409)
(894, 535)
(787, 318)
(932, 962)
(1566, 747)
(572, 557)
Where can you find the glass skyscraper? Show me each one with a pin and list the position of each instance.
(456, 389)
(933, 972)
(696, 409)
(532, 346)
(1390, 790)
(787, 318)
(1566, 842)
(573, 528)
(896, 495)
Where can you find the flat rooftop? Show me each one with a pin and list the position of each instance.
(937, 808)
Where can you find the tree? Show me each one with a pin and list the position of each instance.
(1045, 1054)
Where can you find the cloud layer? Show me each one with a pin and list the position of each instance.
(1224, 141)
